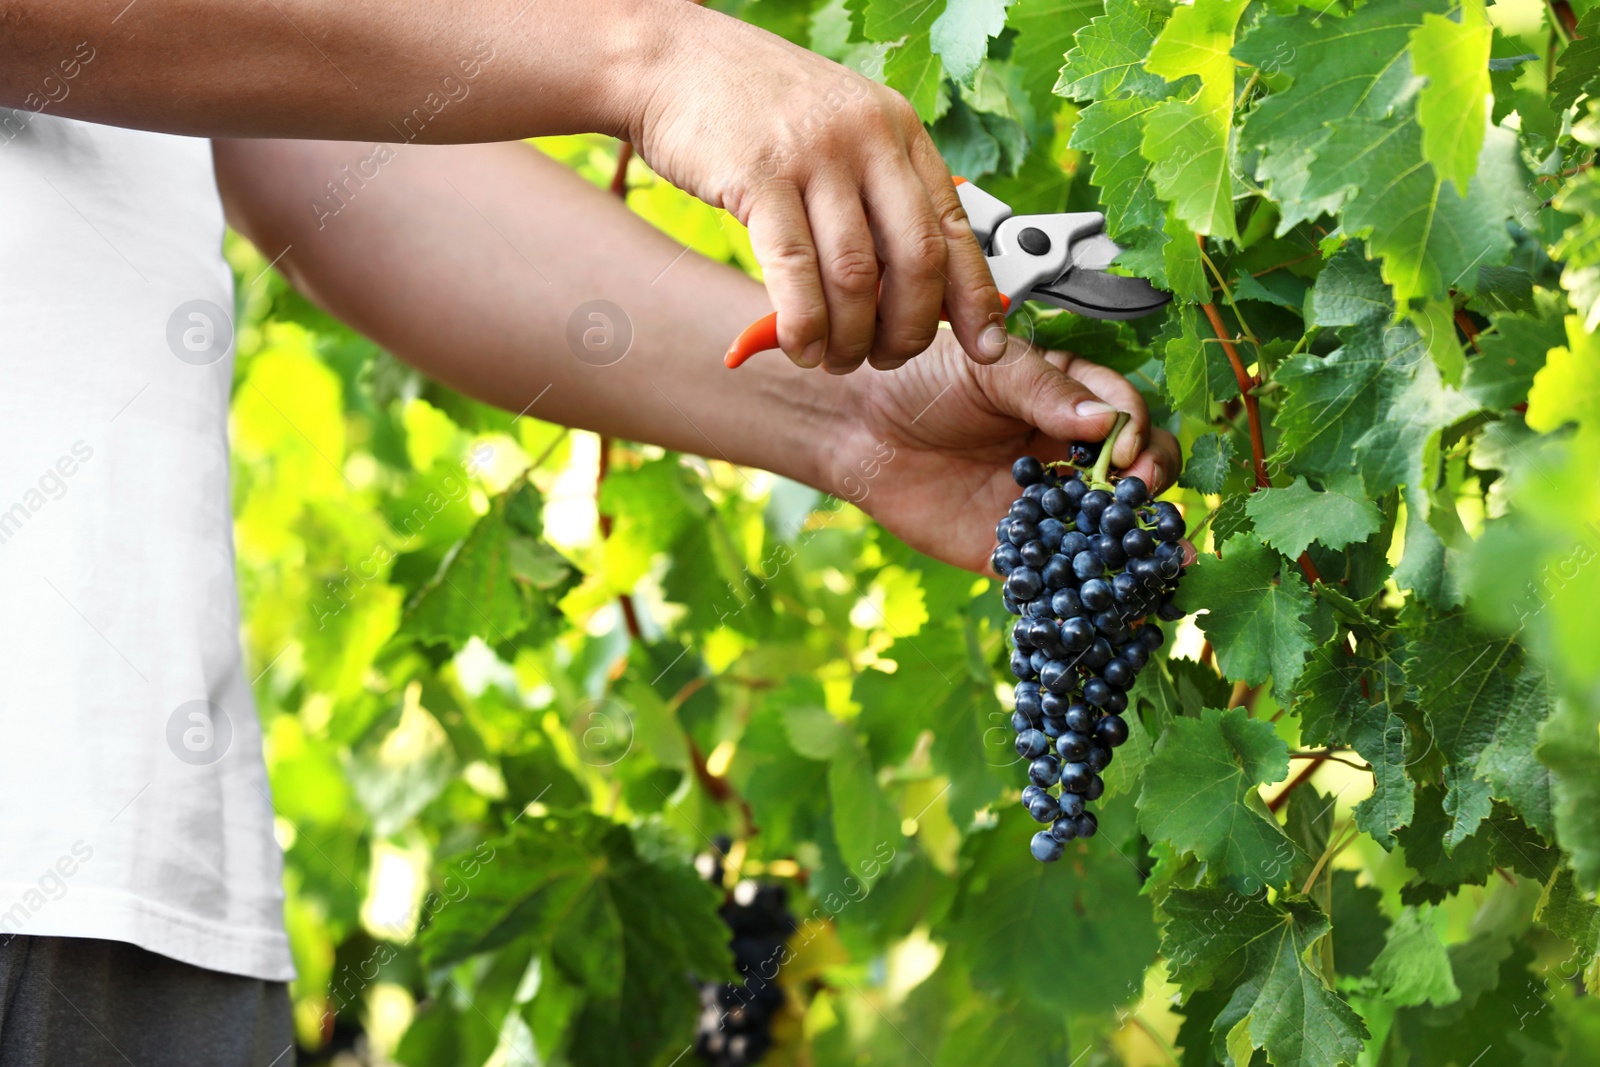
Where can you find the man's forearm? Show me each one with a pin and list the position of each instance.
(407, 70)
(474, 263)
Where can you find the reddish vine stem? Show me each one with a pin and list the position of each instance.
(1468, 327)
(624, 601)
(1296, 782)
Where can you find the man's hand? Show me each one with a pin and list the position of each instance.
(840, 186)
(930, 447)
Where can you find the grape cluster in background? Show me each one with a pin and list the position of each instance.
(1085, 562)
(735, 1026)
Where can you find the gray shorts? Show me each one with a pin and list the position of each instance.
(81, 1002)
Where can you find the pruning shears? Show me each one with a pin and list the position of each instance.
(1062, 259)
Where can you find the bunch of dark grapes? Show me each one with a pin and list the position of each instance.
(1085, 561)
(735, 1027)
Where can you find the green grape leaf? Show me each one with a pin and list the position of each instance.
(1210, 463)
(1187, 140)
(960, 35)
(1280, 1001)
(1441, 870)
(1346, 698)
(1350, 291)
(1340, 69)
(1413, 967)
(1110, 131)
(1566, 912)
(1103, 933)
(918, 74)
(1108, 54)
(1359, 927)
(1500, 375)
(1198, 374)
(1453, 107)
(1467, 689)
(502, 580)
(1579, 63)
(1045, 31)
(1200, 796)
(1255, 606)
(890, 20)
(1377, 404)
(1289, 519)
(1570, 747)
(1579, 247)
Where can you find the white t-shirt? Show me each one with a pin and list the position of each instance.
(131, 808)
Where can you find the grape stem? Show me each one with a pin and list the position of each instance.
(1102, 465)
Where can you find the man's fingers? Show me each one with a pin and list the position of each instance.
(970, 297)
(1159, 464)
(1039, 393)
(914, 254)
(781, 238)
(849, 268)
(1118, 391)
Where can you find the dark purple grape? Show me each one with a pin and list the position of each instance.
(1084, 453)
(1137, 543)
(1045, 847)
(1010, 605)
(1075, 777)
(1043, 771)
(1064, 604)
(1116, 520)
(1019, 722)
(1028, 700)
(1057, 574)
(1071, 805)
(1024, 583)
(1119, 672)
(1026, 471)
(1169, 612)
(1022, 665)
(1077, 634)
(1132, 491)
(1038, 658)
(1124, 587)
(1097, 691)
(1072, 746)
(1055, 501)
(1085, 522)
(1151, 637)
(1095, 788)
(1023, 531)
(1111, 731)
(1081, 718)
(1098, 655)
(1054, 704)
(1002, 530)
(1019, 635)
(1099, 757)
(1057, 677)
(1030, 791)
(1087, 825)
(1006, 559)
(1170, 527)
(1027, 510)
(1035, 491)
(1075, 490)
(1044, 808)
(1134, 653)
(1118, 702)
(1064, 830)
(1051, 531)
(1053, 727)
(1034, 554)
(1095, 593)
(1073, 543)
(1031, 744)
(1038, 608)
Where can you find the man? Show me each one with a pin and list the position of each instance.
(139, 877)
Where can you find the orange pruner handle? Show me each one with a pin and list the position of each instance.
(762, 334)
